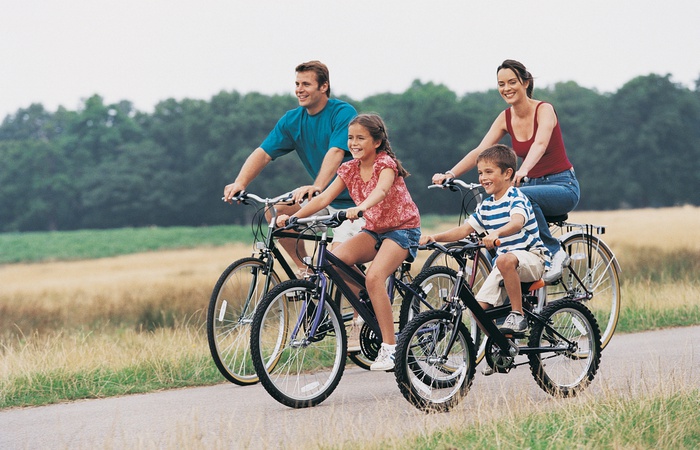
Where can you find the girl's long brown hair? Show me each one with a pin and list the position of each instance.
(377, 129)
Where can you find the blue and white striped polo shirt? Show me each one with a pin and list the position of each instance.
(492, 214)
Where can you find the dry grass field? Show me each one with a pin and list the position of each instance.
(149, 308)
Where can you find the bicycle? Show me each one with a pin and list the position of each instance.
(239, 289)
(298, 341)
(436, 359)
(591, 260)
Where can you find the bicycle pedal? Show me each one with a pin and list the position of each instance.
(519, 335)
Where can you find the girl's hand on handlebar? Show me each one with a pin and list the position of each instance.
(282, 220)
(353, 213)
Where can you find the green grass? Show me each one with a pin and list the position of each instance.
(54, 386)
(88, 244)
(658, 420)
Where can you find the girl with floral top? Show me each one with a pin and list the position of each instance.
(375, 180)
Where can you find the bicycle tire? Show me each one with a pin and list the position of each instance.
(428, 382)
(596, 265)
(566, 372)
(229, 316)
(439, 276)
(297, 370)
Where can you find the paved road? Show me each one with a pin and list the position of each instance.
(365, 406)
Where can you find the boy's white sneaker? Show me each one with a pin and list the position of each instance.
(560, 259)
(385, 358)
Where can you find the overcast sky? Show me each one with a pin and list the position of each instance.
(59, 52)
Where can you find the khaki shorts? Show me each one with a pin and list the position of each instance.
(530, 268)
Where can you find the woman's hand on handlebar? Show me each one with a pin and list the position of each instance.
(439, 178)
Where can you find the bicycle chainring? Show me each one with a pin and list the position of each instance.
(369, 342)
(497, 361)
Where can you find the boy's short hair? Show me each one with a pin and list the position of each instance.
(502, 156)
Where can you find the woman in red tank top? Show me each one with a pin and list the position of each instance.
(545, 175)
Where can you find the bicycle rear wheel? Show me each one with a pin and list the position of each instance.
(572, 339)
(231, 307)
(595, 264)
(431, 377)
(296, 368)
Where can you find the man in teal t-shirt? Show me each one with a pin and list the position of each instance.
(318, 131)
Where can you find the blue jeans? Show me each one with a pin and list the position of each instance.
(552, 195)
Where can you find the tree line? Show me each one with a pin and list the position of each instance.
(110, 165)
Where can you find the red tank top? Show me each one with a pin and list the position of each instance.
(554, 159)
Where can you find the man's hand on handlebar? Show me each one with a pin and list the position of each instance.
(305, 192)
(231, 190)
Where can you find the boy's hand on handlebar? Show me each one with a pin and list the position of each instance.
(425, 239)
(304, 192)
(491, 241)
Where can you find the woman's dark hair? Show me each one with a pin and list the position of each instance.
(521, 72)
(377, 129)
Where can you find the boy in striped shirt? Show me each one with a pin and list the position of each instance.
(506, 215)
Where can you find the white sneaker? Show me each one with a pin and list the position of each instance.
(354, 335)
(385, 358)
(560, 259)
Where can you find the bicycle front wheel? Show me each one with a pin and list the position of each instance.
(595, 264)
(569, 340)
(231, 306)
(438, 283)
(297, 367)
(432, 374)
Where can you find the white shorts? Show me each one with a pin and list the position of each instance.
(347, 229)
(530, 268)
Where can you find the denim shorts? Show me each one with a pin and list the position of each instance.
(407, 239)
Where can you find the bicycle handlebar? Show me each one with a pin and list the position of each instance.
(471, 243)
(330, 220)
(245, 196)
(454, 184)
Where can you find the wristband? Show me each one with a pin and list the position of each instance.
(449, 172)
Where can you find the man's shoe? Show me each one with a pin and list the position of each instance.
(385, 358)
(560, 259)
(354, 335)
(515, 323)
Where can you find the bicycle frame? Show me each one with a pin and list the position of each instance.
(329, 267)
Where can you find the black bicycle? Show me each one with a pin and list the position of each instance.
(436, 356)
(298, 338)
(242, 285)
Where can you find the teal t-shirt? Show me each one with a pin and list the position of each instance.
(312, 136)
